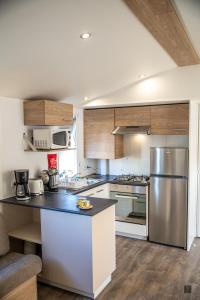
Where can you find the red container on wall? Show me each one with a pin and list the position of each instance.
(52, 161)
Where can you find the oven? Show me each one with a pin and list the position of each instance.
(131, 205)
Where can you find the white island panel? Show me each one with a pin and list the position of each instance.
(78, 251)
(104, 247)
(67, 250)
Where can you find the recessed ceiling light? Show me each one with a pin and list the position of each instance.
(141, 76)
(85, 98)
(85, 35)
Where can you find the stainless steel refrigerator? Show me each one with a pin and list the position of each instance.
(168, 196)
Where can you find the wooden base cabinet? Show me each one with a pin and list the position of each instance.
(99, 142)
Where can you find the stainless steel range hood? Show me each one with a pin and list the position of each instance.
(131, 130)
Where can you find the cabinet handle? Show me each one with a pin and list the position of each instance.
(90, 195)
(127, 197)
(100, 191)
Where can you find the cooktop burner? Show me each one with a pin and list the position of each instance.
(132, 178)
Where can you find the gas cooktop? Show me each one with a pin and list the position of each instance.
(132, 178)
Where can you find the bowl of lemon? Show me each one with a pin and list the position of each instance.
(84, 204)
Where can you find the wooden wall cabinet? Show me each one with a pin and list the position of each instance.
(99, 142)
(46, 112)
(172, 119)
(133, 116)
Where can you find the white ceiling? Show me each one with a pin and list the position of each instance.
(41, 54)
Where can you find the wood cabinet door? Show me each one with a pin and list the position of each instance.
(172, 119)
(57, 113)
(99, 142)
(34, 112)
(132, 116)
(46, 112)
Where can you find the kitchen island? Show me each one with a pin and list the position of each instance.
(78, 246)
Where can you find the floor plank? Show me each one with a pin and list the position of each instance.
(145, 271)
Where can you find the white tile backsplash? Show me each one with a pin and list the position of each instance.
(137, 152)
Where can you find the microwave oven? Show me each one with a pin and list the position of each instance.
(51, 138)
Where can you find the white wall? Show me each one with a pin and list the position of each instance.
(174, 85)
(12, 155)
(193, 202)
(68, 159)
(137, 152)
(198, 174)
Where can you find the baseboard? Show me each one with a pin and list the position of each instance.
(89, 295)
(102, 286)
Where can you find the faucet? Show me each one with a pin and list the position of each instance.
(76, 176)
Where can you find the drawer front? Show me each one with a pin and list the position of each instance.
(101, 191)
(128, 188)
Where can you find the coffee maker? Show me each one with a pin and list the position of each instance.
(22, 187)
(50, 180)
(53, 180)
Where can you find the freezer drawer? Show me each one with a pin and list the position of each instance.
(169, 161)
(168, 211)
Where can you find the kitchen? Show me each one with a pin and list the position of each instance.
(135, 217)
(116, 160)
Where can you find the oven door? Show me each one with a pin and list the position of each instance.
(131, 207)
(60, 139)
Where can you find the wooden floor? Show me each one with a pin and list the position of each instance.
(145, 271)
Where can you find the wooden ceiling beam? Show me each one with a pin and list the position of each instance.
(162, 21)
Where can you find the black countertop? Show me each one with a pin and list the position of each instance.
(104, 179)
(62, 202)
(65, 200)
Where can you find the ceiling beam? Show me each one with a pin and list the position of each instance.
(162, 21)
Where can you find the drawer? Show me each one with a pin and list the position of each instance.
(127, 188)
(101, 191)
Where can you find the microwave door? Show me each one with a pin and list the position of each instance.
(60, 139)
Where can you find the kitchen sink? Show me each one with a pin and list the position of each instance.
(81, 183)
(93, 181)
